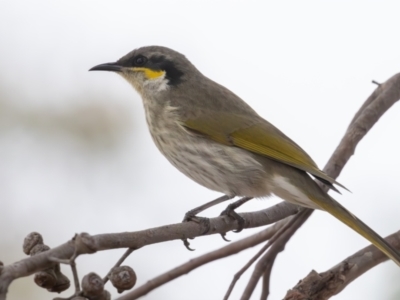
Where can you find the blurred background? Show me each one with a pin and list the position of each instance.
(76, 155)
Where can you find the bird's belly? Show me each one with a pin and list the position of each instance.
(222, 168)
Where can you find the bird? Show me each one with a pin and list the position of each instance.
(215, 138)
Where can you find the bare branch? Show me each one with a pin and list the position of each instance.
(265, 282)
(384, 96)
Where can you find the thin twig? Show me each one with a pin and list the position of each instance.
(375, 82)
(277, 246)
(266, 279)
(119, 262)
(75, 275)
(72, 264)
(236, 277)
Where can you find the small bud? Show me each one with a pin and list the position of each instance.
(32, 240)
(123, 278)
(52, 280)
(45, 279)
(92, 285)
(62, 283)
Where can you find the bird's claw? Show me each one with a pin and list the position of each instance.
(187, 244)
(204, 222)
(223, 235)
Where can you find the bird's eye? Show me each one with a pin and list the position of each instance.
(139, 60)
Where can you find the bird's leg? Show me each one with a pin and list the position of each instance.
(191, 216)
(230, 211)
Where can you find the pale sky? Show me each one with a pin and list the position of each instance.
(76, 154)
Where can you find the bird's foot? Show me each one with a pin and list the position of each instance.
(204, 222)
(191, 215)
(230, 212)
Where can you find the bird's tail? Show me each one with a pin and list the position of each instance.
(337, 210)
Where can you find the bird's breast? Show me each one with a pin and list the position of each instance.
(164, 124)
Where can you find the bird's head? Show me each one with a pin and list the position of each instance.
(151, 69)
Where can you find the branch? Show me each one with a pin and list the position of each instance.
(383, 97)
(329, 283)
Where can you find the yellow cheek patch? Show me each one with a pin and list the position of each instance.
(150, 74)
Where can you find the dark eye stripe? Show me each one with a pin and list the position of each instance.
(173, 74)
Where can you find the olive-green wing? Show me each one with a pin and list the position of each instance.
(257, 136)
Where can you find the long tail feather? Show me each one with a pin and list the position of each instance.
(341, 213)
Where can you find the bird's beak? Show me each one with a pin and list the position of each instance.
(114, 67)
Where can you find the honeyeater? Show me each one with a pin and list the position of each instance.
(216, 139)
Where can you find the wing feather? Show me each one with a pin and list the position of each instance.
(257, 136)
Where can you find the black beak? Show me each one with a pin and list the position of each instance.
(114, 67)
